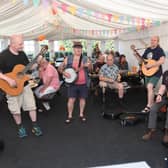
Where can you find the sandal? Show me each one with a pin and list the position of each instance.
(146, 110)
(68, 120)
(82, 118)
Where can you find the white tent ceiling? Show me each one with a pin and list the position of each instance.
(32, 21)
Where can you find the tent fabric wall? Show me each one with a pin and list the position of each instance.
(32, 21)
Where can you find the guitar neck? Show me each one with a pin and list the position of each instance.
(139, 55)
(42, 52)
(29, 65)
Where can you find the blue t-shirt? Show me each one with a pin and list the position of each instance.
(154, 54)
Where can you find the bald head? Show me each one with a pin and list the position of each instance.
(16, 43)
(154, 41)
(110, 59)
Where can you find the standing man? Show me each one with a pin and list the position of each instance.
(9, 58)
(156, 53)
(79, 88)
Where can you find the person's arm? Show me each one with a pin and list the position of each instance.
(62, 67)
(11, 82)
(157, 63)
(46, 84)
(48, 78)
(104, 78)
(160, 94)
(88, 65)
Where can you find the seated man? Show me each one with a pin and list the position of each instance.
(161, 100)
(109, 74)
(50, 79)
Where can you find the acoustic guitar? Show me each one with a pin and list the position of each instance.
(146, 71)
(19, 75)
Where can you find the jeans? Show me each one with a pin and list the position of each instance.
(153, 113)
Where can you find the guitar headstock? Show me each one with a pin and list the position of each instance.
(43, 50)
(132, 47)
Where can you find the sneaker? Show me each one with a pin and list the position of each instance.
(146, 110)
(46, 105)
(22, 132)
(37, 131)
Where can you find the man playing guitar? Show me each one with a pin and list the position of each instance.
(154, 52)
(79, 87)
(9, 58)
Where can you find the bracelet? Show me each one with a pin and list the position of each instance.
(159, 95)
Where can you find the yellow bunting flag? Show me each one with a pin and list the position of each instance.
(116, 18)
(72, 10)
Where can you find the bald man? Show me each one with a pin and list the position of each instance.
(9, 58)
(156, 53)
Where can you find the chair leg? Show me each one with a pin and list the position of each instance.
(103, 100)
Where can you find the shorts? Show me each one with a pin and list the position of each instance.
(25, 100)
(153, 79)
(78, 91)
(108, 85)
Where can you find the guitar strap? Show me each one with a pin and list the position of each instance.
(80, 61)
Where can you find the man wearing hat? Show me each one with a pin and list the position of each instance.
(79, 88)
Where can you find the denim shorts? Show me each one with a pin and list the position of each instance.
(78, 91)
(153, 79)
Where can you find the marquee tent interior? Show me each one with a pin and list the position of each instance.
(67, 19)
(126, 22)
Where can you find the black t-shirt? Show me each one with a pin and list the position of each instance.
(8, 60)
(165, 79)
(154, 54)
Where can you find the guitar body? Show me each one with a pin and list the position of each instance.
(20, 79)
(145, 71)
(150, 71)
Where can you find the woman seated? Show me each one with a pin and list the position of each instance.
(50, 79)
(123, 64)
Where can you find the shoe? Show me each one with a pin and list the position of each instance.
(22, 132)
(82, 118)
(40, 110)
(149, 135)
(46, 105)
(36, 130)
(165, 137)
(68, 120)
(146, 110)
